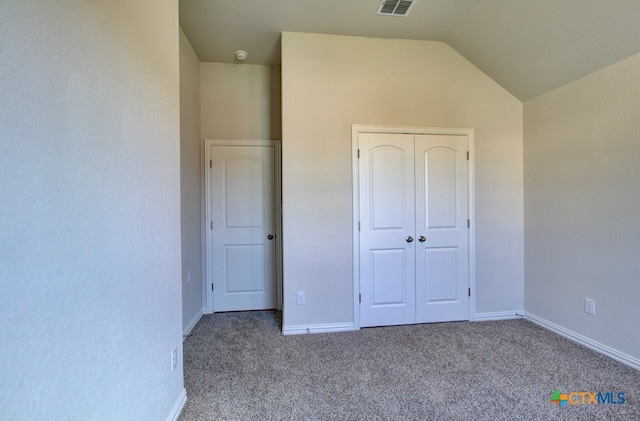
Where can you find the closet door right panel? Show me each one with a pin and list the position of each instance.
(442, 249)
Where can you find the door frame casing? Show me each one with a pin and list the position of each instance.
(356, 129)
(208, 216)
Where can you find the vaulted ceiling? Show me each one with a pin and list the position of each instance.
(528, 46)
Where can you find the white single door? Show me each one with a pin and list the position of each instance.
(442, 249)
(387, 228)
(242, 227)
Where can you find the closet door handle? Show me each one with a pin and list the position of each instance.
(409, 239)
(422, 239)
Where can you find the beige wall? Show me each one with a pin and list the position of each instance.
(331, 82)
(240, 101)
(190, 184)
(90, 204)
(582, 200)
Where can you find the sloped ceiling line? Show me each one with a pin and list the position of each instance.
(529, 47)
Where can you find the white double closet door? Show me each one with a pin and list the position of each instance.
(414, 236)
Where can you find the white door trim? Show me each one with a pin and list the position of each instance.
(355, 132)
(208, 276)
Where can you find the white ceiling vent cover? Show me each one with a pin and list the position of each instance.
(396, 7)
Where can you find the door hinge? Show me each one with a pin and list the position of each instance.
(358, 226)
(358, 153)
(359, 298)
(211, 287)
(210, 163)
(468, 223)
(467, 155)
(211, 225)
(469, 292)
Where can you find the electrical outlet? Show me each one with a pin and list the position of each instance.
(590, 306)
(301, 298)
(174, 359)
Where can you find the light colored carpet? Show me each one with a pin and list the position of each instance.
(239, 366)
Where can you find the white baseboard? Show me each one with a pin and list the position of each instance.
(583, 340)
(321, 328)
(187, 330)
(178, 406)
(499, 315)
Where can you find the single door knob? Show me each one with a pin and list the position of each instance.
(270, 237)
(422, 239)
(409, 239)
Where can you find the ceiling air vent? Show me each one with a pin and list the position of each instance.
(396, 7)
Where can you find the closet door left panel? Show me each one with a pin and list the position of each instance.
(387, 229)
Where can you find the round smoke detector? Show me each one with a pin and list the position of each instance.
(241, 55)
